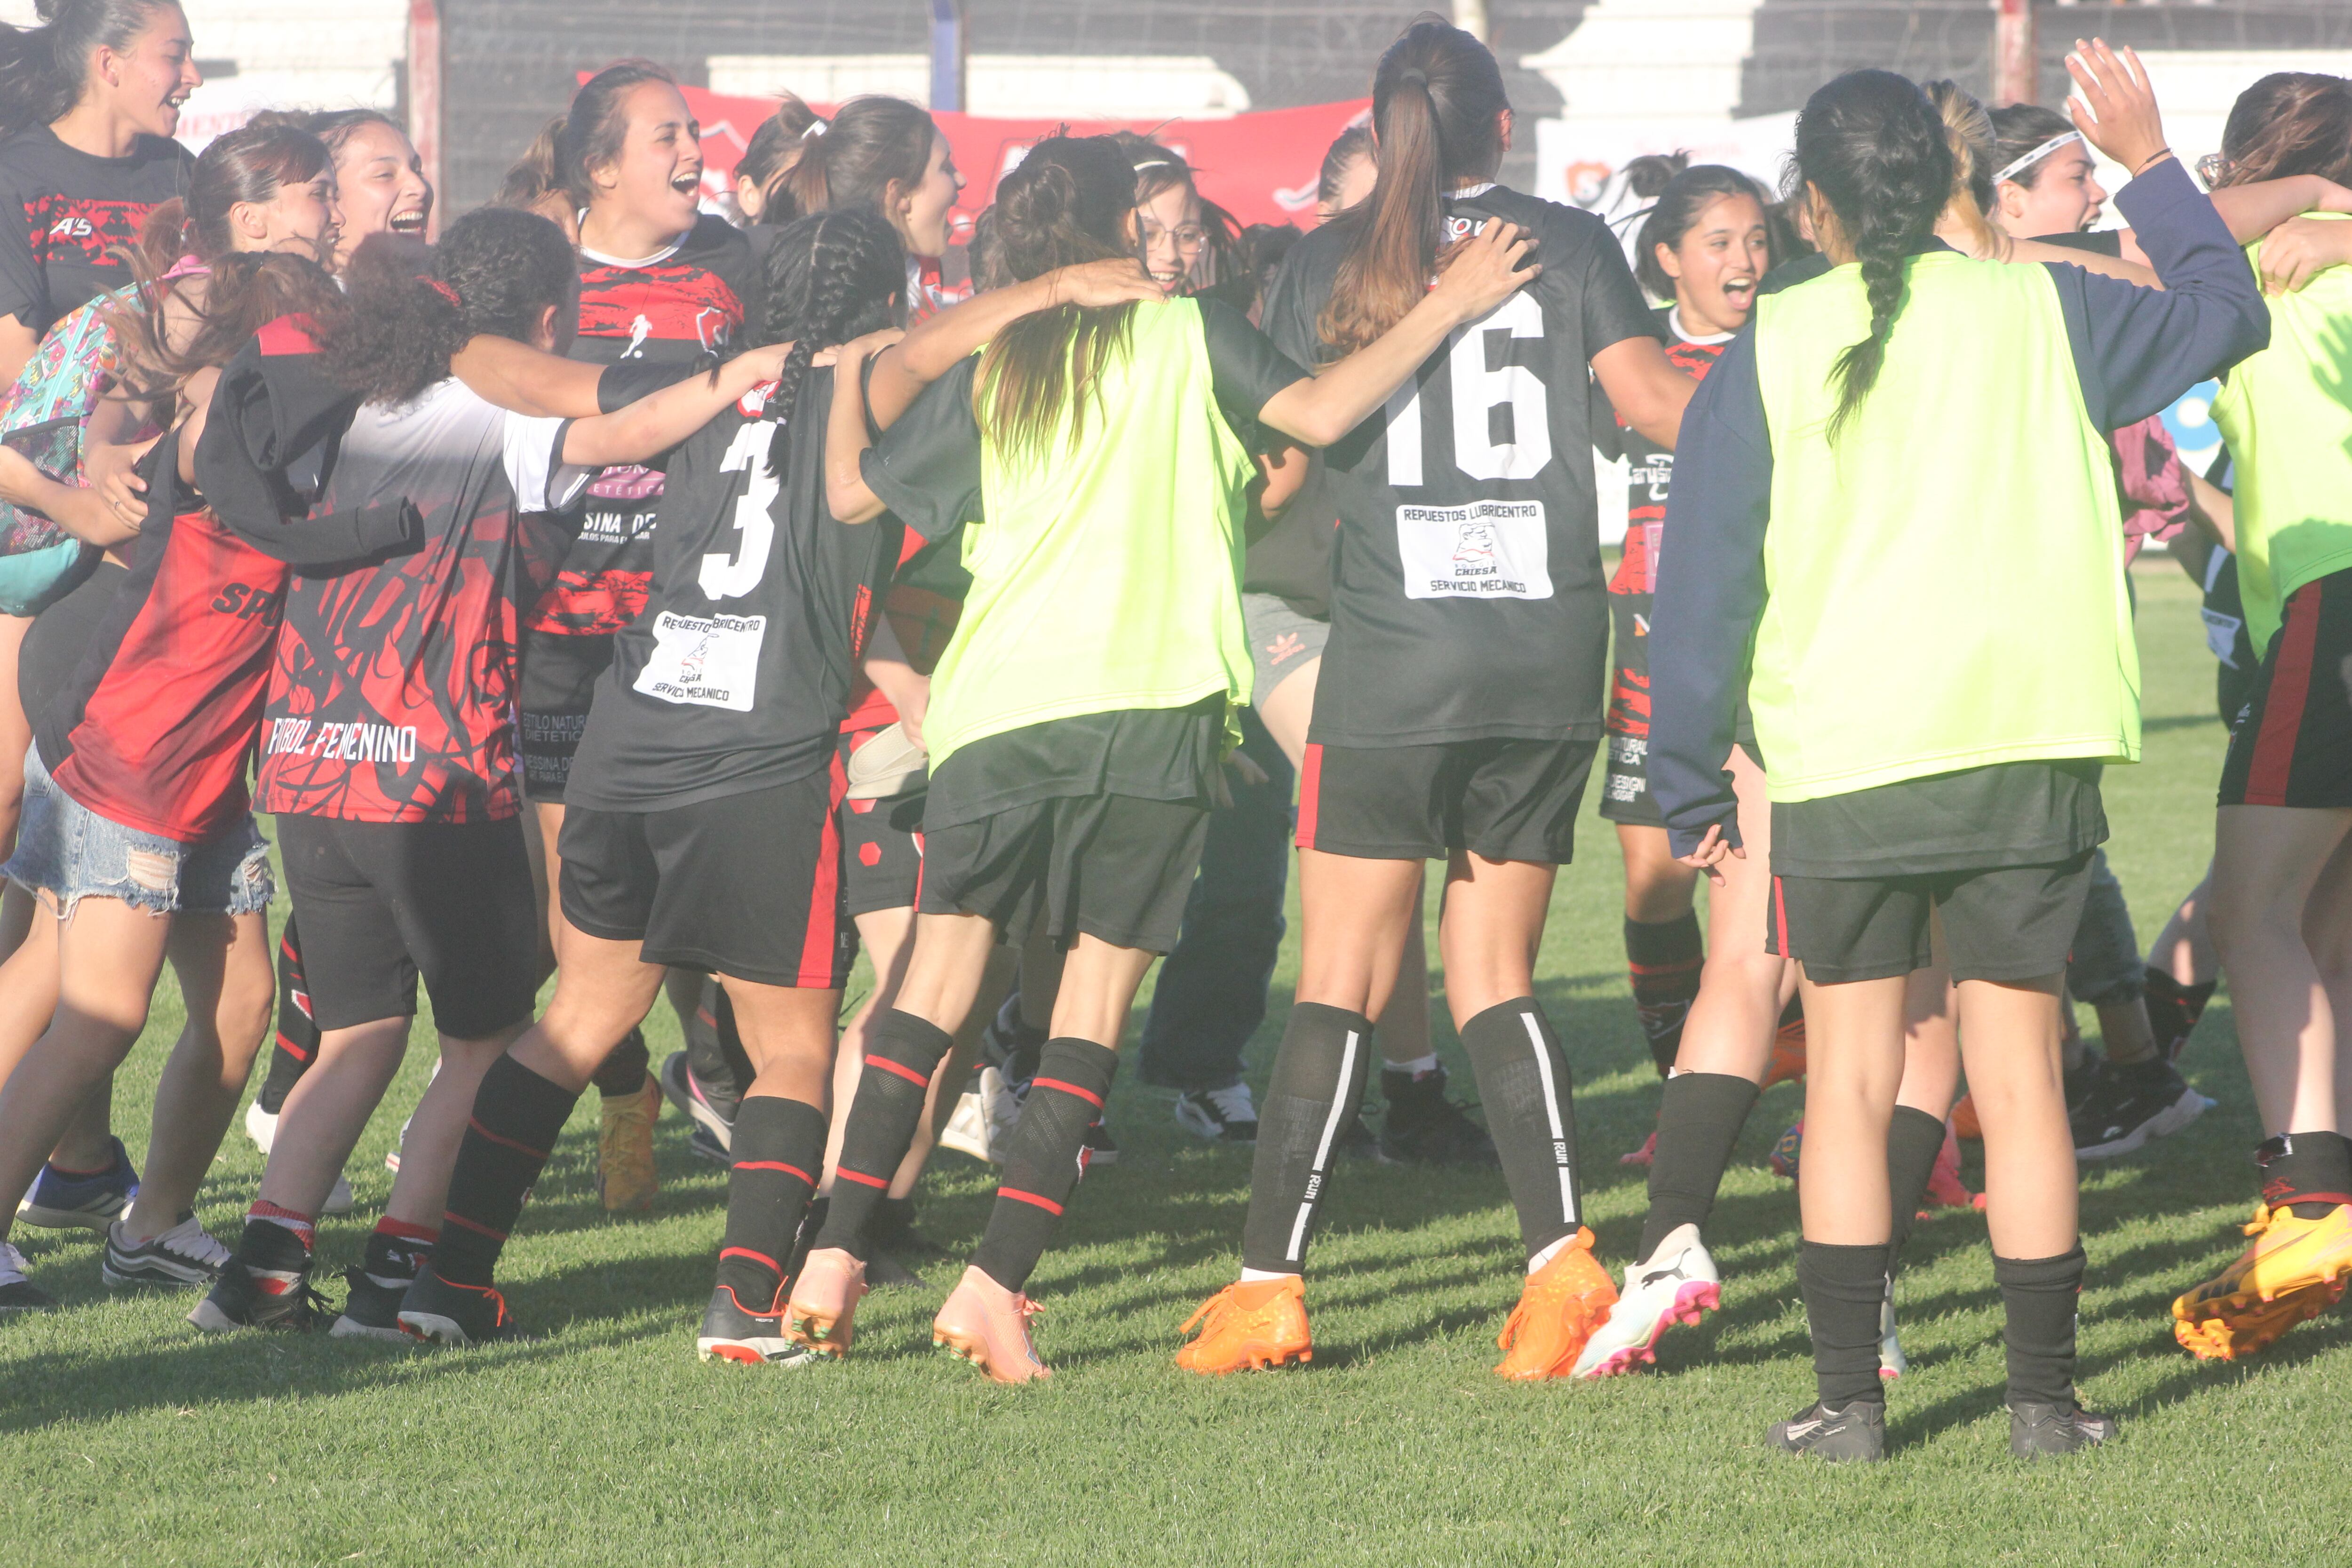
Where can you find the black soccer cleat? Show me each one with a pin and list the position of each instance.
(732, 1331)
(442, 1313)
(371, 1308)
(1858, 1432)
(2037, 1430)
(2124, 1107)
(245, 1297)
(1424, 1128)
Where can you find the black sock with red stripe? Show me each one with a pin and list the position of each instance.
(2309, 1172)
(298, 1036)
(517, 1116)
(1523, 1085)
(902, 1051)
(1044, 1157)
(1663, 958)
(779, 1146)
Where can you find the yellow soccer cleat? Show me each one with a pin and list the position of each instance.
(625, 1150)
(1560, 1307)
(986, 1325)
(1250, 1326)
(2221, 1331)
(821, 1311)
(2295, 1270)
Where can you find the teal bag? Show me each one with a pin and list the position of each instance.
(42, 416)
(32, 580)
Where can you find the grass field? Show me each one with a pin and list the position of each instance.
(124, 1438)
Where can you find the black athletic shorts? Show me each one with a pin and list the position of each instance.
(1108, 866)
(558, 678)
(2293, 744)
(2008, 923)
(748, 885)
(381, 903)
(881, 847)
(1504, 800)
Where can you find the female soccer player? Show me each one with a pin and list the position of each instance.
(1798, 529)
(1460, 701)
(884, 154)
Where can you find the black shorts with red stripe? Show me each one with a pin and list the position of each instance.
(881, 847)
(748, 886)
(1501, 799)
(2293, 743)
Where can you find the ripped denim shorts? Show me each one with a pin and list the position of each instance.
(71, 853)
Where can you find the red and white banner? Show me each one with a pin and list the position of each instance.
(1261, 167)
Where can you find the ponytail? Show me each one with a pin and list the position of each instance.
(853, 160)
(1874, 148)
(44, 69)
(829, 277)
(1436, 100)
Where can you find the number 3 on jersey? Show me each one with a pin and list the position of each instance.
(730, 576)
(1475, 391)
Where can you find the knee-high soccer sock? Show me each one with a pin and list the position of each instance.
(517, 1115)
(2173, 1008)
(2039, 1296)
(1843, 1287)
(1319, 1082)
(2309, 1172)
(1664, 960)
(1699, 1119)
(1044, 1157)
(622, 1072)
(298, 1037)
(714, 1051)
(1914, 1139)
(1523, 1082)
(901, 1052)
(779, 1149)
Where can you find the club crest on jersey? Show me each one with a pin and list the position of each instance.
(1485, 549)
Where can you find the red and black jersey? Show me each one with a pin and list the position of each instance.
(393, 695)
(62, 210)
(683, 304)
(922, 604)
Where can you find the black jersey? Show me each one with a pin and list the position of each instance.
(63, 210)
(737, 675)
(1467, 597)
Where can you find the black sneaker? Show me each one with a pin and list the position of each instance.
(1357, 1141)
(371, 1308)
(1101, 1148)
(1011, 1044)
(2037, 1430)
(1424, 1128)
(731, 1331)
(714, 1128)
(1856, 1431)
(1224, 1115)
(2173, 1010)
(183, 1256)
(441, 1313)
(2127, 1106)
(245, 1297)
(17, 1293)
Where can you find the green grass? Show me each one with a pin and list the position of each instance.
(125, 1437)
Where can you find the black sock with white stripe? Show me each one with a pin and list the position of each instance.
(779, 1146)
(1044, 1157)
(1523, 1086)
(902, 1051)
(1319, 1082)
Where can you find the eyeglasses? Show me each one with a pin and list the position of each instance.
(1188, 239)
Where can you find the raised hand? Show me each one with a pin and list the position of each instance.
(2113, 105)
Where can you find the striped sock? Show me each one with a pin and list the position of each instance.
(517, 1116)
(1663, 959)
(779, 1147)
(1319, 1082)
(1044, 1157)
(1523, 1083)
(901, 1052)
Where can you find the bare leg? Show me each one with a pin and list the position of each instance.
(229, 987)
(28, 999)
(328, 1109)
(605, 990)
(1853, 1065)
(2267, 863)
(2184, 948)
(944, 972)
(1742, 988)
(1354, 939)
(1098, 986)
(1489, 931)
(1658, 887)
(2008, 1038)
(428, 1151)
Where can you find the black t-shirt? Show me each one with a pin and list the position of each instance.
(1466, 589)
(2010, 813)
(736, 676)
(1292, 559)
(927, 467)
(61, 209)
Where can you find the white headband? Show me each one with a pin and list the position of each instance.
(2037, 156)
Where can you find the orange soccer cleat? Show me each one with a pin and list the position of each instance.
(985, 1324)
(1250, 1326)
(1787, 1053)
(2295, 1270)
(1560, 1307)
(824, 1301)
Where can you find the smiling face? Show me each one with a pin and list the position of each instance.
(380, 187)
(301, 220)
(2063, 199)
(1168, 231)
(920, 215)
(654, 182)
(1716, 263)
(143, 84)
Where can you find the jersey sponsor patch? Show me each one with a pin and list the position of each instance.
(1485, 549)
(710, 660)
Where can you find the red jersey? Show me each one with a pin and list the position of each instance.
(923, 605)
(682, 304)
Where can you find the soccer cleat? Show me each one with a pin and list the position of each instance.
(439, 1312)
(1357, 1141)
(732, 1331)
(1253, 1325)
(1786, 1152)
(983, 1323)
(18, 1293)
(1560, 1307)
(1892, 1363)
(1834, 1436)
(680, 1086)
(59, 1201)
(2124, 1107)
(967, 1130)
(1424, 1128)
(338, 1198)
(1787, 1059)
(183, 1256)
(625, 1150)
(1675, 1284)
(1224, 1115)
(2294, 1269)
(1945, 1188)
(371, 1309)
(825, 1302)
(2037, 1430)
(243, 1297)
(261, 1126)
(1964, 1120)
(1646, 1154)
(1101, 1148)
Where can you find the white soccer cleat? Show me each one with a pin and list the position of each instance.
(261, 1126)
(1675, 1284)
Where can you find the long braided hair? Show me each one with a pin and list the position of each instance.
(1874, 148)
(830, 276)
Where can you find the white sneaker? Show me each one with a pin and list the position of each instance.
(186, 1255)
(967, 1130)
(1675, 1284)
(261, 1126)
(1891, 1365)
(17, 1293)
(1224, 1115)
(338, 1198)
(1000, 1101)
